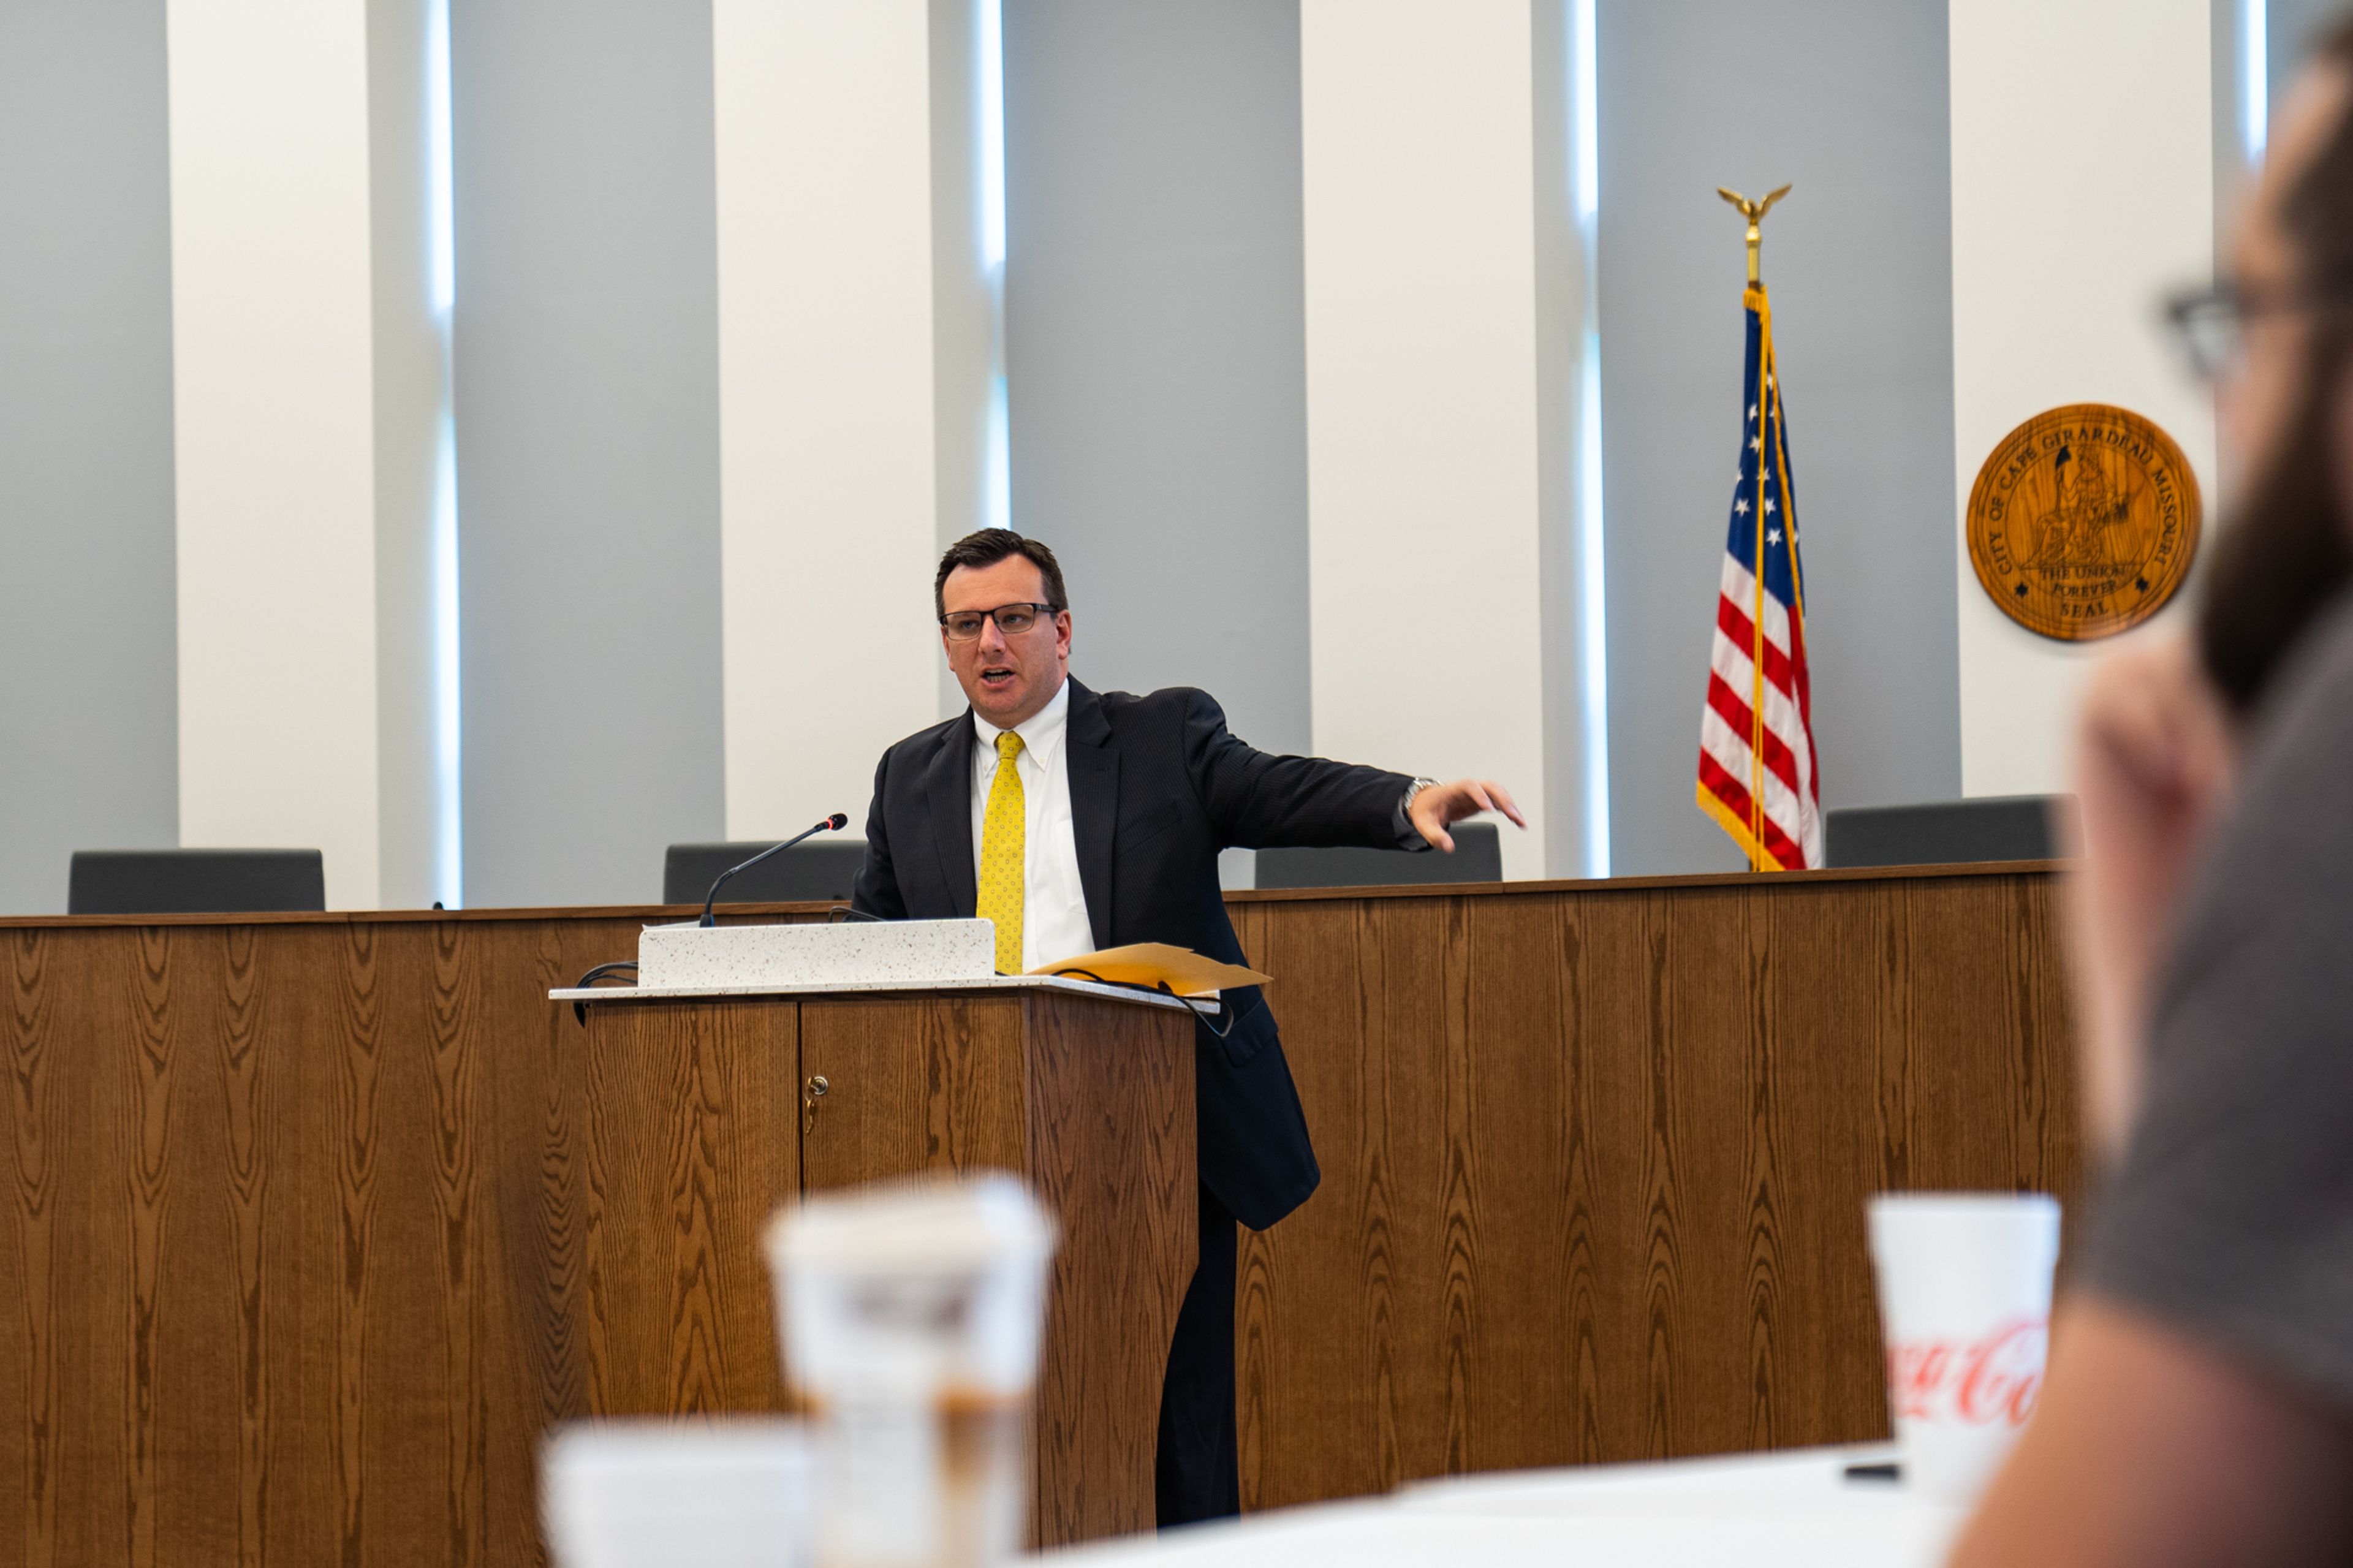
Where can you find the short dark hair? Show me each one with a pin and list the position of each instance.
(988, 547)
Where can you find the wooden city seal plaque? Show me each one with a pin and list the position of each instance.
(2082, 521)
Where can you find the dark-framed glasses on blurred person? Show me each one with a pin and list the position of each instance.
(2211, 322)
(963, 626)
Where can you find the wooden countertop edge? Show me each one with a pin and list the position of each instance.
(737, 912)
(1651, 884)
(728, 913)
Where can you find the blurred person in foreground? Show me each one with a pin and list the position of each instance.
(2200, 1403)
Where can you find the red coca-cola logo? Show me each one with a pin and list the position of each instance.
(1994, 1379)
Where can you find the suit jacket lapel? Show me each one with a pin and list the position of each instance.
(1093, 763)
(947, 787)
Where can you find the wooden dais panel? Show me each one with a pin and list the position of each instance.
(1595, 1160)
(313, 1224)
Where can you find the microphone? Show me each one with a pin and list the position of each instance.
(835, 823)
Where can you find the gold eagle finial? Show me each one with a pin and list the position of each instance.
(1754, 213)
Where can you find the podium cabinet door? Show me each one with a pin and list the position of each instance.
(685, 1132)
(891, 1086)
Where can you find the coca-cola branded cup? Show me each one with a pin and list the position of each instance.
(1965, 1305)
(912, 1316)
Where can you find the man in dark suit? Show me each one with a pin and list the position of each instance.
(1079, 820)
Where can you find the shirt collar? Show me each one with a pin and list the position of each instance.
(1042, 732)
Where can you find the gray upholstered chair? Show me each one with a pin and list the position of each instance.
(1948, 831)
(821, 869)
(194, 881)
(1478, 857)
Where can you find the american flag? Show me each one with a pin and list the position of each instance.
(1757, 774)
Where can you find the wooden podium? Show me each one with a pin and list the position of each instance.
(1083, 1090)
(315, 1226)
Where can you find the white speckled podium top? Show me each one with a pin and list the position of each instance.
(687, 959)
(840, 988)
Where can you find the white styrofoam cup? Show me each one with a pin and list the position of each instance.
(727, 1493)
(1965, 1305)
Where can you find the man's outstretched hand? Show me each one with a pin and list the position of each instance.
(1440, 806)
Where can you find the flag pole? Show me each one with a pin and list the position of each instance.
(1756, 857)
(1768, 438)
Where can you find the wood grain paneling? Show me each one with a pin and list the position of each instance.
(313, 1224)
(1596, 1157)
(1091, 1101)
(1109, 1137)
(695, 1143)
(914, 1084)
(302, 1255)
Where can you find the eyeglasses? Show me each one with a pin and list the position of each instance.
(963, 626)
(2212, 322)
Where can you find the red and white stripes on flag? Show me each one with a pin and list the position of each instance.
(1757, 773)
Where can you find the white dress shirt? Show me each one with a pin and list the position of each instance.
(1053, 905)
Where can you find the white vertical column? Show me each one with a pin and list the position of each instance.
(832, 421)
(271, 327)
(1424, 435)
(2082, 192)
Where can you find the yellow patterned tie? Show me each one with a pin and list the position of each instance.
(1005, 854)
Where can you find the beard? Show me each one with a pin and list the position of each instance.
(2286, 552)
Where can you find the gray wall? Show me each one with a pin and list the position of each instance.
(2291, 28)
(88, 693)
(1849, 100)
(1156, 347)
(587, 394)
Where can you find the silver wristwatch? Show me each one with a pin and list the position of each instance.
(1408, 836)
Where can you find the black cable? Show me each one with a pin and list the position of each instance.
(602, 969)
(1161, 990)
(580, 1009)
(833, 917)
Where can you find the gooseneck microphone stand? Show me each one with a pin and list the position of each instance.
(837, 821)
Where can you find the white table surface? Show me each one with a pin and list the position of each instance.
(1789, 1509)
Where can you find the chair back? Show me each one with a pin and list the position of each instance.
(194, 881)
(1478, 857)
(1948, 831)
(821, 869)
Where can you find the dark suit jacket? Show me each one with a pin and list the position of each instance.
(1157, 787)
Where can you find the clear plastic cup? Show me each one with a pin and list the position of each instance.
(912, 1314)
(1965, 1304)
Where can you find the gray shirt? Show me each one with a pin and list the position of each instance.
(2231, 1216)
